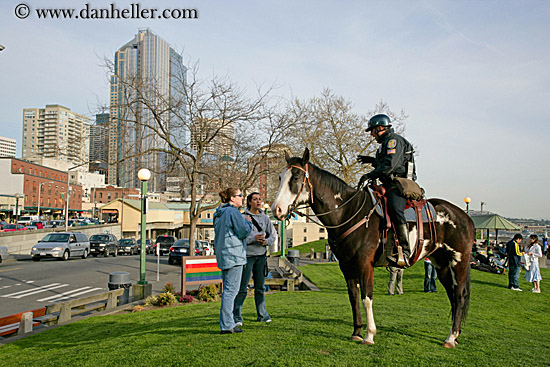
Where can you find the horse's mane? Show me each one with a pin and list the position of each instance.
(331, 180)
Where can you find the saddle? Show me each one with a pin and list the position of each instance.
(416, 212)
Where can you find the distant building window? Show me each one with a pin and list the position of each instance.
(305, 239)
(321, 230)
(305, 229)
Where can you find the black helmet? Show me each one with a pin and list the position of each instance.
(379, 120)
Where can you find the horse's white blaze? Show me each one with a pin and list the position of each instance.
(443, 218)
(452, 337)
(338, 196)
(371, 326)
(284, 197)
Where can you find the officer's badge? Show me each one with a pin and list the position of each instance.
(392, 143)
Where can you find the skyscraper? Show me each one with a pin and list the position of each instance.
(55, 132)
(149, 59)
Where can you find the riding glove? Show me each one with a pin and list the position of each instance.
(365, 159)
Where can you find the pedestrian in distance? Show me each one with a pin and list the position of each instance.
(230, 232)
(394, 158)
(535, 253)
(396, 280)
(430, 276)
(262, 235)
(514, 254)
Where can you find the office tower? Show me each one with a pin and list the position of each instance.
(99, 144)
(149, 59)
(8, 147)
(55, 133)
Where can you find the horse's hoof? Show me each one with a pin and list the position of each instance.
(449, 345)
(367, 342)
(356, 338)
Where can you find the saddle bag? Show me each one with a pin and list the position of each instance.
(408, 188)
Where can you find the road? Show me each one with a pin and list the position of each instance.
(26, 285)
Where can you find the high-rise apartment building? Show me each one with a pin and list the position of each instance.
(99, 138)
(151, 59)
(223, 142)
(55, 132)
(99, 144)
(8, 147)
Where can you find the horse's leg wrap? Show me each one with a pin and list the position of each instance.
(371, 326)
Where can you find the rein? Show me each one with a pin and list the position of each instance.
(310, 217)
(294, 209)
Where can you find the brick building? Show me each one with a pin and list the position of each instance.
(26, 178)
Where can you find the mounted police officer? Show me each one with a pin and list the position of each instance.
(394, 158)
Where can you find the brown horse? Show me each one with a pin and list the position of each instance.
(339, 206)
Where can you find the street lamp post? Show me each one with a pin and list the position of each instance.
(467, 200)
(39, 192)
(17, 197)
(144, 175)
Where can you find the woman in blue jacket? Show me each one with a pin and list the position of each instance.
(231, 231)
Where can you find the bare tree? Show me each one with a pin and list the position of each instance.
(209, 129)
(334, 133)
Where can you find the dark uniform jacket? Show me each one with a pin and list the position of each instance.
(392, 157)
(514, 254)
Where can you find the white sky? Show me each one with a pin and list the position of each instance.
(473, 76)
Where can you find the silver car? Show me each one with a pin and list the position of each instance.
(61, 246)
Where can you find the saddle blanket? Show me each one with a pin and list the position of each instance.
(410, 214)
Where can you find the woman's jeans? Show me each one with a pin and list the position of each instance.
(430, 276)
(254, 266)
(231, 280)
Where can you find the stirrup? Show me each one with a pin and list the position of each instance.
(402, 261)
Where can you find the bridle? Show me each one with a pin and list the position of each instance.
(293, 207)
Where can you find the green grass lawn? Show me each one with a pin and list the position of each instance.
(504, 328)
(305, 248)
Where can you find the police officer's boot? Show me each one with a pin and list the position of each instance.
(403, 237)
(402, 259)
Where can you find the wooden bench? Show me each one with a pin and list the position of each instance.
(63, 312)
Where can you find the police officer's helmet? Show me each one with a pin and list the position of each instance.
(379, 120)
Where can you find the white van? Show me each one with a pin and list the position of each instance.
(26, 219)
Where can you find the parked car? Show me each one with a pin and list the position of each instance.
(180, 249)
(14, 227)
(164, 243)
(2, 224)
(36, 224)
(105, 244)
(57, 223)
(61, 245)
(128, 246)
(149, 246)
(3, 253)
(26, 219)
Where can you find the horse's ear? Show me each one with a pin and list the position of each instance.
(305, 157)
(287, 157)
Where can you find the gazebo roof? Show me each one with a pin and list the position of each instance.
(494, 221)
